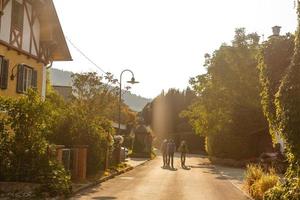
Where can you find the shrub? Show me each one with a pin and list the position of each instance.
(75, 128)
(56, 181)
(257, 182)
(289, 189)
(235, 146)
(266, 182)
(252, 175)
(23, 147)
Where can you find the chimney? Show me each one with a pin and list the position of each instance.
(276, 30)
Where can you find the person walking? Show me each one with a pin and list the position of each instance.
(183, 149)
(164, 152)
(171, 151)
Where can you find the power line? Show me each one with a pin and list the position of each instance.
(85, 56)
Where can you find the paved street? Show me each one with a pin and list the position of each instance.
(151, 182)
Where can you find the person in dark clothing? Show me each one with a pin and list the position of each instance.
(183, 149)
(171, 151)
(164, 152)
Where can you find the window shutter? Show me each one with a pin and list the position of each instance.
(1, 63)
(20, 81)
(4, 74)
(34, 79)
(17, 15)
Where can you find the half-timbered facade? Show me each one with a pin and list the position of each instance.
(31, 38)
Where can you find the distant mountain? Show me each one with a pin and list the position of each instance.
(63, 78)
(60, 77)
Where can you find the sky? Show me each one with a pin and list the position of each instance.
(162, 41)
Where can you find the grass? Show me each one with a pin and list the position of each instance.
(253, 174)
(257, 182)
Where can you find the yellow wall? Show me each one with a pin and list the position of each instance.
(14, 59)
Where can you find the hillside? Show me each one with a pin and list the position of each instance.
(63, 78)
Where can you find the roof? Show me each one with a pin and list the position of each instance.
(122, 126)
(50, 23)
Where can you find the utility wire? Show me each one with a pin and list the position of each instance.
(85, 56)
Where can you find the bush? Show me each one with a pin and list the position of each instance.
(266, 182)
(289, 189)
(75, 128)
(233, 146)
(253, 174)
(23, 147)
(257, 182)
(56, 180)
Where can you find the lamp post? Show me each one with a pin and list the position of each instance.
(132, 81)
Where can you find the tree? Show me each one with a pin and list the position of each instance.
(87, 118)
(163, 113)
(228, 111)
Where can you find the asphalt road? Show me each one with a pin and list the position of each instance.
(151, 182)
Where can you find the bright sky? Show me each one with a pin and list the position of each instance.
(161, 41)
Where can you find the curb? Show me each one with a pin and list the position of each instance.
(244, 192)
(101, 180)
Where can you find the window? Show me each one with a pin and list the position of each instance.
(27, 78)
(1, 8)
(4, 64)
(17, 15)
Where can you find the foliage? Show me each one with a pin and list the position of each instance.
(228, 110)
(288, 105)
(287, 109)
(274, 58)
(252, 174)
(288, 190)
(100, 95)
(163, 113)
(24, 152)
(55, 179)
(91, 93)
(74, 128)
(257, 182)
(266, 182)
(85, 120)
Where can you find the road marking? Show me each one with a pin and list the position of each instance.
(126, 178)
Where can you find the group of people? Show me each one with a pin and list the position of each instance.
(168, 148)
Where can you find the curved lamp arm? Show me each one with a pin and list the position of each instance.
(125, 70)
(120, 93)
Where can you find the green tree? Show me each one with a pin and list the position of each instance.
(228, 110)
(163, 113)
(87, 118)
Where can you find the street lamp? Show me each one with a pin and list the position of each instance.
(132, 81)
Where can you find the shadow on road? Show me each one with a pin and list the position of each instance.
(169, 168)
(210, 169)
(186, 168)
(104, 198)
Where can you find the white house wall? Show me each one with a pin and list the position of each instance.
(6, 23)
(30, 42)
(36, 34)
(26, 29)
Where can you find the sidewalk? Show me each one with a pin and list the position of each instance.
(234, 175)
(134, 162)
(131, 162)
